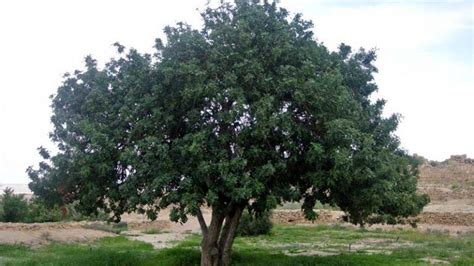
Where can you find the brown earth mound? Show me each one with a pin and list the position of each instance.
(448, 180)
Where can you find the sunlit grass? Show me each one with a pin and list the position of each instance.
(397, 247)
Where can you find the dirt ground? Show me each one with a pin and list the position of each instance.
(171, 232)
(40, 237)
(450, 186)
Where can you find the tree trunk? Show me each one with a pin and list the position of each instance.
(64, 212)
(210, 237)
(217, 240)
(209, 255)
(228, 235)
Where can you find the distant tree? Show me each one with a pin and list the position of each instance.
(248, 112)
(15, 207)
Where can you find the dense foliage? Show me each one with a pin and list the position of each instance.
(247, 112)
(254, 224)
(16, 208)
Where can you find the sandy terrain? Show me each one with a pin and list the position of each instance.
(42, 236)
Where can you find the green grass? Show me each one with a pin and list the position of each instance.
(470, 183)
(399, 247)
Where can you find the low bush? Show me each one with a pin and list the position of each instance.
(252, 224)
(154, 231)
(74, 215)
(108, 227)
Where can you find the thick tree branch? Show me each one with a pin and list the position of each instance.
(228, 234)
(209, 245)
(202, 222)
(227, 225)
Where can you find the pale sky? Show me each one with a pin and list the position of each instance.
(425, 61)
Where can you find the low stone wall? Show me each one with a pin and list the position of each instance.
(464, 219)
(324, 217)
(40, 226)
(297, 217)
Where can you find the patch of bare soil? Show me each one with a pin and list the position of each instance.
(451, 206)
(171, 232)
(369, 245)
(162, 240)
(310, 253)
(36, 234)
(434, 261)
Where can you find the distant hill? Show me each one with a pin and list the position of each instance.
(450, 184)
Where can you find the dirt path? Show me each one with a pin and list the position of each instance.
(171, 232)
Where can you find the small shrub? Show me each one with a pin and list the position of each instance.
(46, 236)
(154, 231)
(15, 207)
(455, 186)
(73, 214)
(253, 224)
(123, 226)
(111, 228)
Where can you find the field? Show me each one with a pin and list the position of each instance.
(286, 245)
(445, 235)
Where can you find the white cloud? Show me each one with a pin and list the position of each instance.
(432, 93)
(41, 40)
(393, 27)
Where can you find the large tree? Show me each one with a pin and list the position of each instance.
(247, 112)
